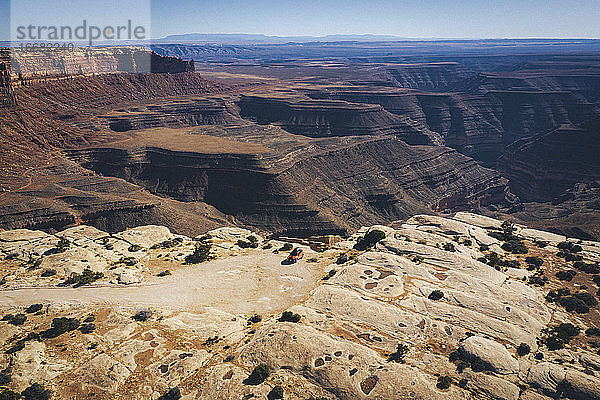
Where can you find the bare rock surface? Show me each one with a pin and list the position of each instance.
(421, 314)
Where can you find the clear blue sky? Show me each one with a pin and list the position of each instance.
(410, 18)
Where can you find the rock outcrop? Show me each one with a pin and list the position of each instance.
(419, 315)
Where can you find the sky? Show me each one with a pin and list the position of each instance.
(404, 18)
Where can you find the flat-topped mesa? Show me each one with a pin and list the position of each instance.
(38, 65)
(320, 118)
(430, 76)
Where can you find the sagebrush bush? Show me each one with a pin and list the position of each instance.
(259, 374)
(369, 240)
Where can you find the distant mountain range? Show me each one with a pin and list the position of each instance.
(236, 38)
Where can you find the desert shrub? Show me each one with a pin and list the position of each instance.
(558, 336)
(87, 328)
(515, 247)
(593, 332)
(89, 318)
(248, 244)
(538, 280)
(567, 275)
(172, 394)
(534, 261)
(166, 272)
(463, 383)
(523, 349)
(255, 319)
(258, 375)
(286, 247)
(369, 240)
(449, 247)
(17, 319)
(436, 295)
(267, 246)
(167, 244)
(398, 355)
(329, 275)
(33, 308)
(539, 356)
(467, 242)
(142, 315)
(7, 394)
(201, 253)
(572, 303)
(48, 272)
(588, 268)
(511, 263)
(565, 246)
(288, 316)
(85, 278)
(59, 326)
(444, 382)
(134, 248)
(36, 392)
(493, 259)
(275, 393)
(540, 243)
(484, 247)
(17, 346)
(570, 256)
(5, 377)
(343, 258)
(587, 298)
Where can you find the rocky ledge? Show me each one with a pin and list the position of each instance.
(461, 307)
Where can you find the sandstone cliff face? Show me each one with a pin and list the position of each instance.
(543, 167)
(7, 96)
(421, 314)
(433, 77)
(320, 118)
(33, 65)
(316, 186)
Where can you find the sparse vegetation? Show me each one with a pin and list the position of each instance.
(436, 295)
(87, 328)
(201, 253)
(557, 337)
(370, 239)
(286, 247)
(33, 308)
(7, 394)
(534, 261)
(172, 394)
(134, 248)
(399, 354)
(515, 247)
(259, 374)
(59, 326)
(449, 247)
(142, 315)
(580, 302)
(567, 275)
(523, 349)
(85, 278)
(16, 319)
(166, 272)
(275, 393)
(288, 316)
(251, 242)
(444, 382)
(329, 275)
(342, 258)
(254, 319)
(36, 392)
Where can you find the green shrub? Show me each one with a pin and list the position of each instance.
(523, 349)
(436, 295)
(245, 244)
(558, 336)
(449, 247)
(17, 319)
(463, 383)
(134, 248)
(444, 382)
(87, 328)
(515, 247)
(572, 303)
(258, 375)
(36, 392)
(33, 308)
(534, 261)
(329, 275)
(201, 253)
(142, 315)
(255, 319)
(593, 332)
(9, 395)
(399, 354)
(5, 377)
(172, 394)
(59, 326)
(275, 393)
(566, 275)
(47, 273)
(85, 278)
(166, 272)
(586, 267)
(343, 258)
(288, 316)
(369, 240)
(63, 245)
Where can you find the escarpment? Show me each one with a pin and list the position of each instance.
(543, 167)
(306, 186)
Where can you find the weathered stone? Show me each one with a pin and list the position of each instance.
(492, 354)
